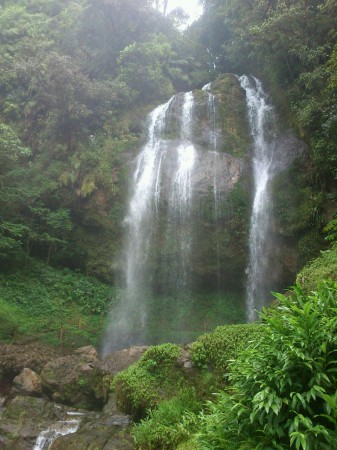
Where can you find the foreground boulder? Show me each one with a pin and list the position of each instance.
(27, 382)
(104, 432)
(76, 380)
(119, 360)
(22, 420)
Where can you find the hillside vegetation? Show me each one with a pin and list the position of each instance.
(76, 81)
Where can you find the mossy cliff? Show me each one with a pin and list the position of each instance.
(94, 186)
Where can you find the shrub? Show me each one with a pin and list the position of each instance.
(283, 388)
(150, 380)
(214, 351)
(321, 268)
(165, 427)
(57, 306)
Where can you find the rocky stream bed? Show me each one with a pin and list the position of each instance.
(53, 399)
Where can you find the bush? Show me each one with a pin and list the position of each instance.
(153, 378)
(283, 388)
(165, 427)
(321, 268)
(56, 306)
(214, 351)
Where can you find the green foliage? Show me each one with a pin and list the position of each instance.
(295, 203)
(185, 320)
(191, 444)
(76, 81)
(57, 306)
(153, 378)
(172, 422)
(11, 147)
(324, 267)
(143, 66)
(214, 351)
(331, 230)
(292, 45)
(283, 389)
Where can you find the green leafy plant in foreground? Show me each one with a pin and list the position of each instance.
(284, 388)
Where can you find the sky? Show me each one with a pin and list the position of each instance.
(192, 7)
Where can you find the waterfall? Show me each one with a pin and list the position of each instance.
(129, 321)
(180, 199)
(262, 125)
(212, 115)
(213, 140)
(182, 182)
(143, 207)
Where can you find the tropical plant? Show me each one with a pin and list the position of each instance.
(283, 389)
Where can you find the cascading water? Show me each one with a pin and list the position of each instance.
(262, 125)
(129, 323)
(128, 320)
(61, 428)
(212, 115)
(213, 138)
(180, 198)
(186, 186)
(169, 171)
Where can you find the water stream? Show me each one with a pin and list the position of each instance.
(60, 428)
(180, 200)
(262, 125)
(213, 138)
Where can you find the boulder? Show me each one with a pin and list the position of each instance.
(104, 432)
(27, 382)
(76, 380)
(15, 357)
(119, 360)
(23, 418)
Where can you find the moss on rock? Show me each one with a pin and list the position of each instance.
(232, 114)
(322, 268)
(156, 376)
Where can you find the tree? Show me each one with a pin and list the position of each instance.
(63, 105)
(143, 68)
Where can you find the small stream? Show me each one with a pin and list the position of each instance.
(57, 429)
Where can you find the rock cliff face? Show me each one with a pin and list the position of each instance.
(209, 208)
(221, 183)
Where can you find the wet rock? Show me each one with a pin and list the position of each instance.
(210, 168)
(15, 357)
(89, 350)
(76, 380)
(106, 432)
(184, 361)
(23, 418)
(27, 382)
(119, 360)
(288, 148)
